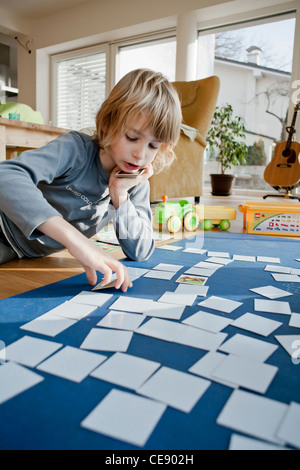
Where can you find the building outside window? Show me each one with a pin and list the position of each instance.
(254, 63)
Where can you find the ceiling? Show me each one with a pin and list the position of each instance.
(31, 9)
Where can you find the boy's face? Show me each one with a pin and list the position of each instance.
(134, 150)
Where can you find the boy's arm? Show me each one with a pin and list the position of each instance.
(90, 256)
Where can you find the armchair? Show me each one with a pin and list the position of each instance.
(185, 176)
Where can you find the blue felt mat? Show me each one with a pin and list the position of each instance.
(48, 416)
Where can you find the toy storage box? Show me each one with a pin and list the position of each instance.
(271, 219)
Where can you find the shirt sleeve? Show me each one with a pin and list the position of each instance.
(20, 197)
(133, 224)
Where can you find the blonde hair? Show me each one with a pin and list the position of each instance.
(146, 92)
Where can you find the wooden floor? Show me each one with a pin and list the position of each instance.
(24, 275)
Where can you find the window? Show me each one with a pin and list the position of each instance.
(79, 87)
(156, 54)
(254, 63)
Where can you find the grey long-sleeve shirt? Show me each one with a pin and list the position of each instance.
(66, 178)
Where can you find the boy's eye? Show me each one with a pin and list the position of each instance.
(154, 147)
(131, 139)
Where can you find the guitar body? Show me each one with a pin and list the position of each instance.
(284, 169)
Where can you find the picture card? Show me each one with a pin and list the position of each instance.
(15, 379)
(207, 321)
(48, 325)
(220, 304)
(177, 389)
(131, 304)
(72, 364)
(248, 347)
(289, 429)
(125, 416)
(206, 366)
(271, 292)
(192, 280)
(253, 375)
(102, 339)
(272, 306)
(91, 298)
(121, 320)
(165, 310)
(29, 351)
(254, 415)
(126, 370)
(256, 324)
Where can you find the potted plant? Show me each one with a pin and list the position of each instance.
(227, 135)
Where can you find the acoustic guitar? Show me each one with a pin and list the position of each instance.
(284, 169)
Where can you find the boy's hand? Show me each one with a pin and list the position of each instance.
(119, 187)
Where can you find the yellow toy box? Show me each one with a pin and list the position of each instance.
(271, 219)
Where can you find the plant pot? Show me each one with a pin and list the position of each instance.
(222, 185)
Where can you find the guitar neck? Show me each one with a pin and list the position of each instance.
(292, 129)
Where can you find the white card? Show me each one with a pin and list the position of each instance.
(101, 339)
(126, 370)
(161, 329)
(256, 324)
(136, 272)
(207, 321)
(125, 416)
(285, 277)
(175, 388)
(192, 289)
(217, 261)
(268, 259)
(169, 247)
(121, 320)
(218, 254)
(91, 298)
(272, 306)
(249, 348)
(165, 310)
(278, 269)
(131, 304)
(196, 251)
(238, 442)
(155, 274)
(253, 375)
(29, 351)
(289, 430)
(249, 259)
(16, 379)
(201, 339)
(295, 320)
(48, 325)
(72, 310)
(253, 414)
(291, 343)
(179, 299)
(72, 364)
(206, 265)
(271, 292)
(200, 272)
(168, 267)
(207, 364)
(220, 304)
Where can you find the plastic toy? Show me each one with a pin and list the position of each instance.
(175, 215)
(217, 216)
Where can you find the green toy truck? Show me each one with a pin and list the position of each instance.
(175, 215)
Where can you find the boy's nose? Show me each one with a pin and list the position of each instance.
(139, 152)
